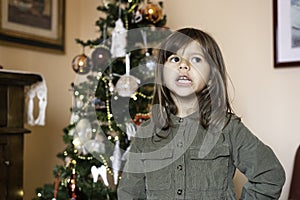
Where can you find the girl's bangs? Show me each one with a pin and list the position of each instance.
(174, 43)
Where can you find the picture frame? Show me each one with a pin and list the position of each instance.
(286, 33)
(33, 24)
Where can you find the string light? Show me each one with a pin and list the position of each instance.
(104, 161)
(107, 103)
(87, 98)
(143, 95)
(85, 157)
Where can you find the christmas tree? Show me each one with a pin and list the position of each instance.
(112, 97)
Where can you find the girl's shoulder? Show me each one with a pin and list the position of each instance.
(238, 131)
(233, 120)
(234, 124)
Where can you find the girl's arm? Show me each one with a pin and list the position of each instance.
(258, 162)
(132, 183)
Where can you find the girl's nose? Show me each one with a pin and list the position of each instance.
(183, 66)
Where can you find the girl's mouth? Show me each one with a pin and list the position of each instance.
(184, 81)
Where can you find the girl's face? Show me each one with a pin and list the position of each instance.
(186, 71)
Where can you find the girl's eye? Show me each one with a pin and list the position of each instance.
(195, 59)
(174, 59)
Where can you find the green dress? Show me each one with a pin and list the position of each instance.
(189, 162)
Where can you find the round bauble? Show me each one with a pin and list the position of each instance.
(147, 66)
(81, 64)
(153, 12)
(127, 85)
(83, 130)
(100, 57)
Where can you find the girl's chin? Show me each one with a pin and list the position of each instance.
(185, 93)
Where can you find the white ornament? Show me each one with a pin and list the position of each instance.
(38, 90)
(82, 138)
(86, 142)
(99, 171)
(127, 84)
(147, 66)
(138, 17)
(130, 130)
(83, 130)
(77, 144)
(94, 146)
(148, 63)
(107, 2)
(125, 154)
(118, 43)
(116, 163)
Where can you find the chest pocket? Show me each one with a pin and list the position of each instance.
(210, 172)
(157, 167)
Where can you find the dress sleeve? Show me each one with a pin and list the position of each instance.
(132, 183)
(258, 163)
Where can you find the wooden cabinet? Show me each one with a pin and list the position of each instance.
(12, 100)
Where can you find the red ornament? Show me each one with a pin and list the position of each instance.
(73, 188)
(57, 181)
(140, 118)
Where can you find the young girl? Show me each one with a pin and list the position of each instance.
(193, 143)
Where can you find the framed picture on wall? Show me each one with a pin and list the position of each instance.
(286, 33)
(33, 24)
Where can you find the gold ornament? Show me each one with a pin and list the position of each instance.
(153, 12)
(81, 64)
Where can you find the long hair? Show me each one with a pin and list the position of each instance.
(213, 100)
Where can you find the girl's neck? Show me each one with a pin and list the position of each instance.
(185, 105)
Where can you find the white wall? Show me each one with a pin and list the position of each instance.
(265, 97)
(43, 143)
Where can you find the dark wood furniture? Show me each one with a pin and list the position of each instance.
(12, 100)
(295, 184)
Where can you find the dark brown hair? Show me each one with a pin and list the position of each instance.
(214, 106)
